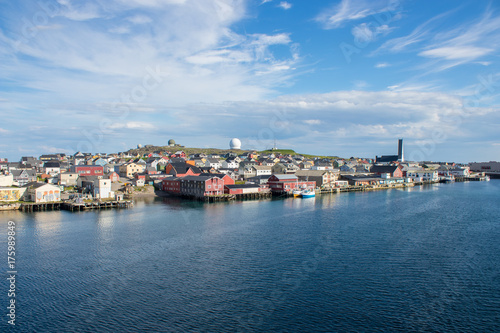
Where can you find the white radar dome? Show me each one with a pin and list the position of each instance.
(235, 144)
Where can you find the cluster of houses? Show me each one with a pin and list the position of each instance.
(43, 179)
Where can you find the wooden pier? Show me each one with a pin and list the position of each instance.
(39, 207)
(44, 206)
(71, 206)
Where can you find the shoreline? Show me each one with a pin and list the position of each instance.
(162, 194)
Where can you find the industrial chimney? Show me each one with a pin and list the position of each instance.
(401, 154)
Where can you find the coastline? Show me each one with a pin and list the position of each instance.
(152, 193)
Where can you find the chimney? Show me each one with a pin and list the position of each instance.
(401, 154)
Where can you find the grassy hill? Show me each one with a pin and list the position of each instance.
(188, 151)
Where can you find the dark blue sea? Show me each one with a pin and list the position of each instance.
(425, 259)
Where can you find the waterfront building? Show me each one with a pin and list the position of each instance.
(200, 186)
(42, 192)
(488, 167)
(243, 189)
(423, 175)
(226, 178)
(171, 185)
(395, 171)
(321, 177)
(102, 189)
(9, 194)
(287, 183)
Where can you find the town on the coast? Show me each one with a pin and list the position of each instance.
(100, 180)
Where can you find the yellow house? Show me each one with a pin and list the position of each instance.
(129, 169)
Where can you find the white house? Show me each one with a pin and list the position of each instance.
(261, 170)
(102, 189)
(423, 175)
(230, 164)
(460, 172)
(68, 178)
(42, 192)
(213, 163)
(6, 180)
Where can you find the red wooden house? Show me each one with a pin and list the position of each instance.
(179, 154)
(88, 170)
(287, 183)
(242, 189)
(200, 186)
(114, 177)
(171, 185)
(395, 171)
(227, 180)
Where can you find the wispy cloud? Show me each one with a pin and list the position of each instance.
(352, 10)
(465, 43)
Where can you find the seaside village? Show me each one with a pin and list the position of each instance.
(84, 178)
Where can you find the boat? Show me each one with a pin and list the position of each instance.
(297, 193)
(308, 194)
(449, 178)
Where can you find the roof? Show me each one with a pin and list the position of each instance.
(183, 167)
(17, 173)
(260, 177)
(313, 173)
(383, 168)
(52, 164)
(285, 177)
(199, 178)
(89, 178)
(38, 184)
(387, 158)
(220, 175)
(261, 167)
(361, 178)
(242, 186)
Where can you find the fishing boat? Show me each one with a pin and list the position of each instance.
(296, 193)
(308, 194)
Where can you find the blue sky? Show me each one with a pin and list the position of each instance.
(342, 78)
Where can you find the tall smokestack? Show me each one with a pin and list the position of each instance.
(401, 154)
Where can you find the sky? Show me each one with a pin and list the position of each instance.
(339, 78)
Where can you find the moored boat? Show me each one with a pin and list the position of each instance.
(308, 194)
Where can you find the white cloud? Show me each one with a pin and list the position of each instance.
(352, 10)
(449, 48)
(285, 5)
(367, 33)
(382, 65)
(456, 53)
(140, 19)
(4, 131)
(312, 121)
(132, 125)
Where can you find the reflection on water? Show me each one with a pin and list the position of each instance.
(421, 259)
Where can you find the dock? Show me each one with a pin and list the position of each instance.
(71, 206)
